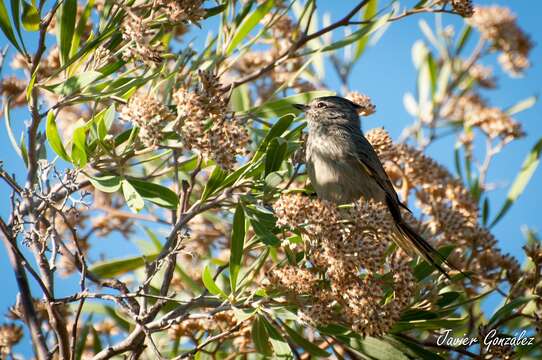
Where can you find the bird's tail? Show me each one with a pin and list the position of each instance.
(410, 241)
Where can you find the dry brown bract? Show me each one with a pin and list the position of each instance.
(10, 335)
(463, 7)
(13, 88)
(183, 10)
(349, 249)
(451, 213)
(473, 110)
(498, 25)
(206, 125)
(150, 115)
(139, 36)
(367, 106)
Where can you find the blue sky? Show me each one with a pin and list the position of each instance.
(385, 73)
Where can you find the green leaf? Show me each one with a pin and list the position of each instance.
(485, 211)
(248, 24)
(281, 348)
(79, 154)
(51, 131)
(105, 121)
(430, 324)
(522, 105)
(276, 130)
(15, 16)
(215, 10)
(237, 244)
(210, 283)
(74, 83)
(31, 84)
(284, 106)
(5, 25)
(522, 179)
(465, 35)
(115, 267)
(274, 157)
(31, 17)
(370, 12)
(155, 193)
(417, 351)
(260, 338)
(65, 28)
(9, 130)
(424, 269)
(132, 197)
(217, 178)
(240, 98)
(106, 183)
(81, 27)
(304, 343)
(507, 309)
(365, 31)
(263, 234)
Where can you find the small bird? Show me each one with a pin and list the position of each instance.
(343, 167)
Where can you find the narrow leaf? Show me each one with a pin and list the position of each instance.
(507, 309)
(274, 157)
(5, 25)
(304, 343)
(74, 83)
(237, 245)
(66, 27)
(370, 12)
(280, 346)
(215, 181)
(248, 24)
(522, 179)
(106, 183)
(116, 267)
(79, 154)
(132, 197)
(210, 284)
(31, 17)
(156, 193)
(522, 105)
(260, 338)
(51, 131)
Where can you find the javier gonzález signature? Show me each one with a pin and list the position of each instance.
(491, 339)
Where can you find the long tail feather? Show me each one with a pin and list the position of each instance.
(409, 239)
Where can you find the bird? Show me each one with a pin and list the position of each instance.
(343, 167)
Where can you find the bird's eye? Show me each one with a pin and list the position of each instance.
(320, 105)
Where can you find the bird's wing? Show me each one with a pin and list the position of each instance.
(368, 159)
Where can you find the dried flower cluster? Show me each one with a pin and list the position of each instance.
(191, 328)
(283, 32)
(13, 88)
(498, 25)
(349, 248)
(483, 76)
(206, 125)
(10, 335)
(140, 45)
(367, 106)
(150, 115)
(183, 10)
(452, 214)
(463, 7)
(474, 112)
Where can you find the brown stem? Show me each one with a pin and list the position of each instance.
(29, 312)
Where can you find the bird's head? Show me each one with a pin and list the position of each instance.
(330, 110)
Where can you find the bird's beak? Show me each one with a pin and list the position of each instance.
(301, 107)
